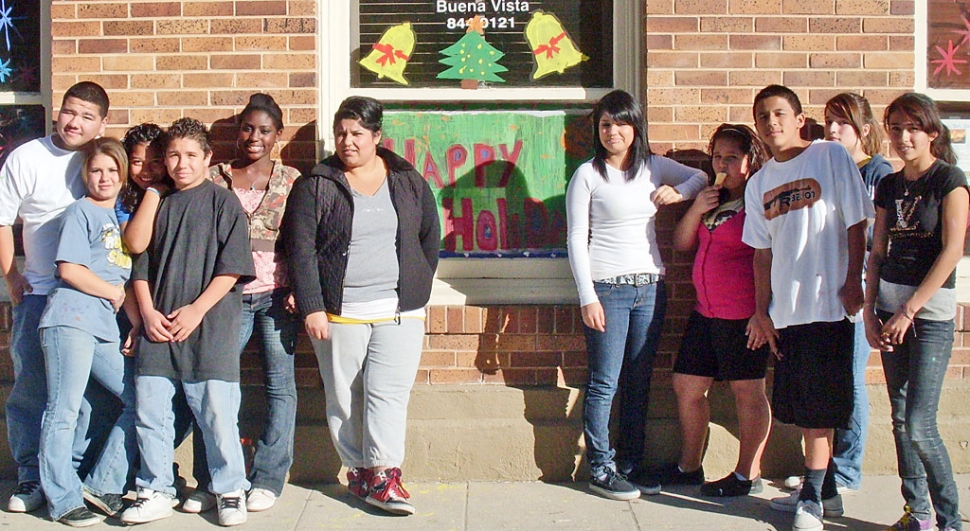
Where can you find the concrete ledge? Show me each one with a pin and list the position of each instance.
(498, 433)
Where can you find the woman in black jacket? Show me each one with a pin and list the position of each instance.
(361, 235)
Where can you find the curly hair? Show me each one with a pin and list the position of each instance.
(144, 133)
(191, 129)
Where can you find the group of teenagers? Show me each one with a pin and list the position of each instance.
(809, 252)
(147, 271)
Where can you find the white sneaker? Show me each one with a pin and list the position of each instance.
(808, 517)
(199, 502)
(260, 500)
(832, 507)
(26, 498)
(150, 505)
(232, 508)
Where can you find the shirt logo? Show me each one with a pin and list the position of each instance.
(802, 193)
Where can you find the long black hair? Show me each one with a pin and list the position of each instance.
(624, 109)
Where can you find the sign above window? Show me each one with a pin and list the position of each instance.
(508, 43)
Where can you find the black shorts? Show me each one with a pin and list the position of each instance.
(813, 379)
(718, 348)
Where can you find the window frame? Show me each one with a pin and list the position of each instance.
(493, 280)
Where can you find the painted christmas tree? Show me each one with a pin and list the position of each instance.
(472, 57)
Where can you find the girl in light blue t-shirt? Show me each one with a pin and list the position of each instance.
(80, 339)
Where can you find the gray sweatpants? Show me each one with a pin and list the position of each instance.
(368, 371)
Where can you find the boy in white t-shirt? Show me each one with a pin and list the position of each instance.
(38, 181)
(807, 215)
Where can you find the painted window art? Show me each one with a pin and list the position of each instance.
(948, 44)
(472, 44)
(20, 73)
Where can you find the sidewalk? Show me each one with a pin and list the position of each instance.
(524, 507)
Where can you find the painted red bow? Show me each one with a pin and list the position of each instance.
(551, 48)
(389, 54)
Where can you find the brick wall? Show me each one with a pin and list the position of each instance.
(162, 60)
(706, 59)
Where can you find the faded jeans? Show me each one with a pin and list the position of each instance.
(914, 378)
(850, 444)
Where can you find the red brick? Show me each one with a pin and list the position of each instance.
(902, 7)
(656, 113)
(564, 320)
(726, 60)
(901, 43)
(128, 27)
(545, 320)
(473, 317)
(699, 114)
(260, 8)
(888, 25)
(862, 78)
(814, 7)
(182, 98)
(727, 24)
(659, 7)
(156, 81)
(423, 377)
(207, 44)
(511, 377)
(841, 25)
(61, 11)
(157, 9)
(181, 62)
(700, 78)
(182, 27)
(862, 7)
(75, 64)
(75, 29)
(883, 96)
(214, 79)
(729, 95)
(673, 96)
(510, 343)
(890, 60)
(902, 79)
(781, 24)
(706, 7)
(754, 78)
(672, 24)
(302, 7)
(672, 59)
(527, 319)
(102, 46)
(575, 376)
(155, 45)
(235, 25)
(438, 358)
(535, 359)
(289, 61)
(560, 343)
(234, 62)
(809, 78)
(781, 60)
(102, 10)
(862, 42)
(455, 316)
(755, 42)
(127, 63)
(809, 43)
(110, 81)
(290, 25)
(261, 42)
(130, 98)
(461, 342)
(302, 43)
(700, 42)
(64, 47)
(754, 7)
(659, 42)
(207, 9)
(454, 376)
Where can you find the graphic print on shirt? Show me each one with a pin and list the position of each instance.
(794, 195)
(117, 254)
(905, 208)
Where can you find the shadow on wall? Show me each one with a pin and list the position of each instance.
(299, 151)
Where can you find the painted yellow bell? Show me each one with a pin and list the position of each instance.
(553, 49)
(390, 54)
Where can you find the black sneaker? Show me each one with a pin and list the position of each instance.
(79, 517)
(671, 474)
(730, 485)
(614, 486)
(648, 483)
(109, 504)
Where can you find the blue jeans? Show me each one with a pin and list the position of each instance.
(28, 396)
(621, 359)
(914, 378)
(850, 444)
(72, 357)
(265, 313)
(215, 405)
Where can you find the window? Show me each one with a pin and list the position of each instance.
(23, 70)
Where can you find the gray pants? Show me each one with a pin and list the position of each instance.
(368, 371)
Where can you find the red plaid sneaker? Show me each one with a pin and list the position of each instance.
(358, 481)
(387, 492)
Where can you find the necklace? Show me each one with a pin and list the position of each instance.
(908, 185)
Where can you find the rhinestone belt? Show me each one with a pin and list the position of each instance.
(633, 279)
